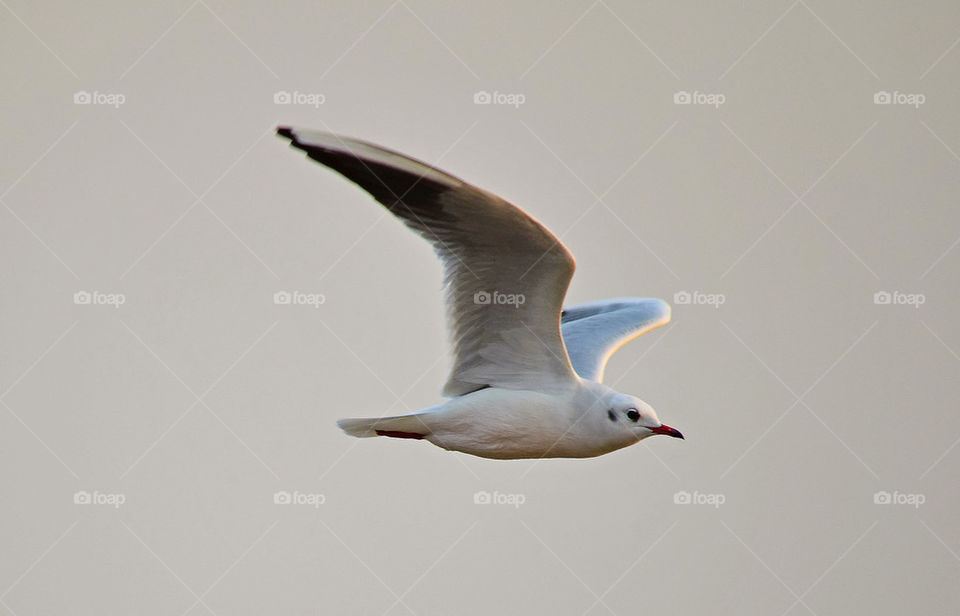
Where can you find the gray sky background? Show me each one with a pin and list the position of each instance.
(824, 383)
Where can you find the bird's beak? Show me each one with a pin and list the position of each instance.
(665, 429)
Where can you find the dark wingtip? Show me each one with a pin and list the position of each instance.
(286, 131)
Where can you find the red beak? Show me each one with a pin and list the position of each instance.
(665, 429)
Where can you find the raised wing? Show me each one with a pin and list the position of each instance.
(593, 331)
(505, 275)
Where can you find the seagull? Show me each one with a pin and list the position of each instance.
(527, 375)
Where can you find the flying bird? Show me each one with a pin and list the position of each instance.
(527, 375)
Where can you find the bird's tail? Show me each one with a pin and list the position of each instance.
(397, 426)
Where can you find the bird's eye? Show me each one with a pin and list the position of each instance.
(633, 415)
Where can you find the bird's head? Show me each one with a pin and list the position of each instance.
(633, 414)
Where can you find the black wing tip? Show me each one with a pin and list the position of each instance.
(313, 151)
(287, 132)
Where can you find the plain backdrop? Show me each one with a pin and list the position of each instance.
(821, 462)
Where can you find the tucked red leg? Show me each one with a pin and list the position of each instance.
(398, 434)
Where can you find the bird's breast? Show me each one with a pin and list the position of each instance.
(511, 424)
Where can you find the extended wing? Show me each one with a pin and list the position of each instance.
(593, 331)
(505, 274)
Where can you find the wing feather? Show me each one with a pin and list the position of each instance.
(505, 274)
(593, 331)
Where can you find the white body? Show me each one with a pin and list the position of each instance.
(512, 424)
(508, 424)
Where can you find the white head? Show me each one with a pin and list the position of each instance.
(629, 414)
